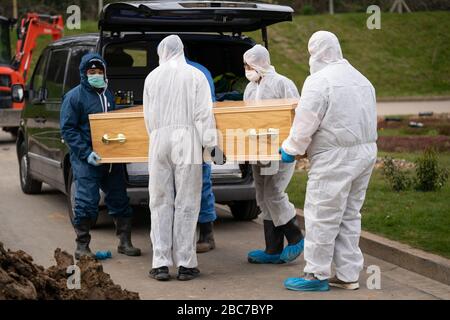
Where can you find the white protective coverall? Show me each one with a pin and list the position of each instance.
(179, 119)
(270, 189)
(336, 124)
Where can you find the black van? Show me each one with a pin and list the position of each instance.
(129, 34)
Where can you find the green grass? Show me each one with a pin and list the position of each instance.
(399, 132)
(420, 219)
(409, 56)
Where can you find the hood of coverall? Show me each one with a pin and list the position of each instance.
(84, 66)
(324, 49)
(258, 58)
(171, 49)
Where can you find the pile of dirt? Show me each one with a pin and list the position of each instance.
(399, 163)
(20, 278)
(302, 164)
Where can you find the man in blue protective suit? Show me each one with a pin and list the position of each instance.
(207, 214)
(92, 96)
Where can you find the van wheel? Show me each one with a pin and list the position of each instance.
(27, 183)
(71, 199)
(245, 210)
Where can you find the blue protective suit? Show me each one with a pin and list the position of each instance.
(207, 209)
(77, 104)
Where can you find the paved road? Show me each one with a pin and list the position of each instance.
(39, 224)
(412, 107)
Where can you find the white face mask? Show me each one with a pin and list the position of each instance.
(252, 75)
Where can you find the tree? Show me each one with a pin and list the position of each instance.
(398, 5)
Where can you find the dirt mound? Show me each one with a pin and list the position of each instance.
(20, 278)
(399, 163)
(302, 164)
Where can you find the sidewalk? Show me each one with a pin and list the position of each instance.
(412, 107)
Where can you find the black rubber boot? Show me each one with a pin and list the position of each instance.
(185, 274)
(274, 237)
(83, 239)
(160, 274)
(292, 231)
(206, 240)
(123, 231)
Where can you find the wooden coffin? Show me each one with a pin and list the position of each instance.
(249, 131)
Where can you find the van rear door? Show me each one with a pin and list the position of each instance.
(191, 16)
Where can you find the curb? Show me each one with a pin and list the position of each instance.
(413, 98)
(426, 264)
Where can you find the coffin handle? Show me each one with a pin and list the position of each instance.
(120, 139)
(271, 133)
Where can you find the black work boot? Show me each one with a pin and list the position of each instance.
(206, 240)
(160, 274)
(83, 239)
(123, 231)
(296, 243)
(292, 231)
(185, 274)
(274, 237)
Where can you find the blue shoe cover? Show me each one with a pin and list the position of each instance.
(301, 284)
(259, 256)
(290, 253)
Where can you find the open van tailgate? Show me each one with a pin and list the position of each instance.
(191, 16)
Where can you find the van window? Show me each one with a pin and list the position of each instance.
(55, 74)
(73, 70)
(38, 77)
(120, 56)
(139, 57)
(128, 64)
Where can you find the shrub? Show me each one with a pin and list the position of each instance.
(429, 176)
(308, 9)
(398, 179)
(444, 130)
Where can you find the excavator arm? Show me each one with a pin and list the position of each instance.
(32, 26)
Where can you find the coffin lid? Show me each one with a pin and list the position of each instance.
(191, 16)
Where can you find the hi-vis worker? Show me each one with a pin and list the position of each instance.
(180, 121)
(278, 213)
(93, 96)
(336, 125)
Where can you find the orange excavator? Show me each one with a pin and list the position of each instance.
(14, 71)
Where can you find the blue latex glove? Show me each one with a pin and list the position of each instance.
(93, 159)
(285, 157)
